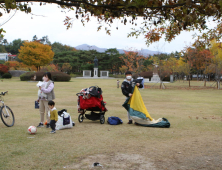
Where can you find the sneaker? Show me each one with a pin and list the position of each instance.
(130, 122)
(40, 125)
(53, 131)
(47, 126)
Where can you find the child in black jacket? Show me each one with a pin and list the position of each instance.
(127, 86)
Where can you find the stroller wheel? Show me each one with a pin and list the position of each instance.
(80, 118)
(102, 119)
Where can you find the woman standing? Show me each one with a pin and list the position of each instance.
(48, 89)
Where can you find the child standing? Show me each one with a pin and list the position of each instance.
(118, 83)
(127, 87)
(53, 115)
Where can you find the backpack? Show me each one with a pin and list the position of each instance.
(95, 91)
(114, 120)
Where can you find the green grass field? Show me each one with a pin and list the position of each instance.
(193, 141)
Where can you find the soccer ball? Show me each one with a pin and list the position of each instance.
(32, 130)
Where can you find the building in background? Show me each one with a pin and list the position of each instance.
(7, 57)
(4, 56)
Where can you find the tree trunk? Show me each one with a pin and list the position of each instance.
(219, 81)
(189, 80)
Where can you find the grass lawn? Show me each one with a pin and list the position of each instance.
(194, 140)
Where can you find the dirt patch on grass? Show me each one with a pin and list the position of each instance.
(114, 161)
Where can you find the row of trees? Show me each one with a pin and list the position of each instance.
(40, 53)
(83, 60)
(54, 57)
(205, 63)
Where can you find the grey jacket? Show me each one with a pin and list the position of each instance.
(50, 95)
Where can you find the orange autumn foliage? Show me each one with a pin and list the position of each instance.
(133, 61)
(35, 53)
(13, 65)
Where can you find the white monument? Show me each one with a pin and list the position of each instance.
(95, 72)
(104, 73)
(86, 73)
(155, 77)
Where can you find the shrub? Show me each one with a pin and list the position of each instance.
(26, 76)
(60, 76)
(56, 76)
(3, 69)
(7, 76)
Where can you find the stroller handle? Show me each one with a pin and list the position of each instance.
(78, 94)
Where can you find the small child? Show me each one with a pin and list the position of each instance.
(118, 83)
(53, 115)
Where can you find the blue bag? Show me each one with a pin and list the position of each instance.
(36, 105)
(114, 120)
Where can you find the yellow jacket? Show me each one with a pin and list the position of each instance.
(54, 114)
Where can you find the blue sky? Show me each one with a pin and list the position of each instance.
(48, 20)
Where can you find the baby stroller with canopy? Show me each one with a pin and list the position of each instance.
(91, 99)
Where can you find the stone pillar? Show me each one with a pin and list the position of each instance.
(155, 77)
(95, 72)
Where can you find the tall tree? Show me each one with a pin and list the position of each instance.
(4, 42)
(35, 53)
(14, 46)
(111, 60)
(133, 61)
(161, 17)
(66, 67)
(2, 49)
(183, 68)
(216, 49)
(59, 47)
(45, 40)
(34, 38)
(171, 63)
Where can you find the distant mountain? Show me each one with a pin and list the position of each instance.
(87, 47)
